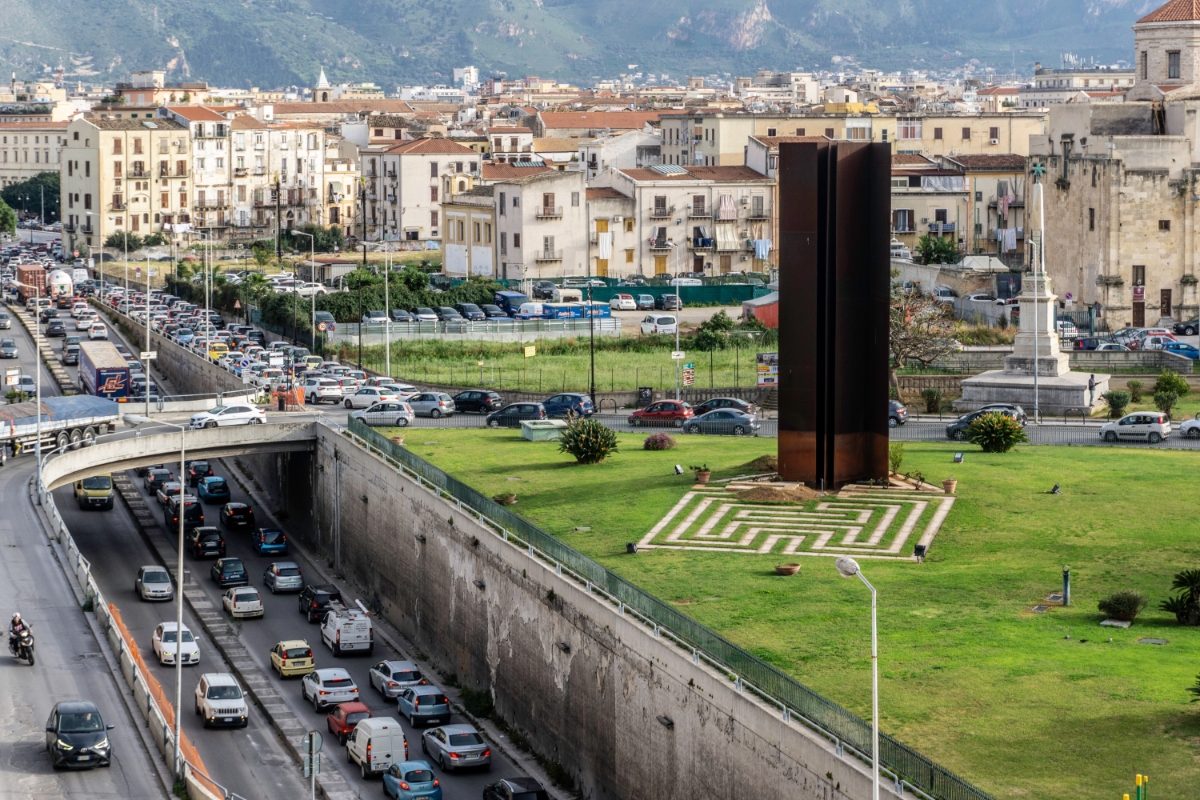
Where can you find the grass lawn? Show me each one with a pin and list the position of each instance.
(506, 367)
(1024, 705)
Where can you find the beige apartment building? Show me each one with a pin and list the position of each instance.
(278, 177)
(612, 238)
(404, 186)
(30, 148)
(124, 175)
(927, 200)
(212, 172)
(469, 233)
(541, 222)
(340, 189)
(995, 218)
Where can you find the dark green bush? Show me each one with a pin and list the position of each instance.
(933, 400)
(1185, 605)
(1123, 605)
(589, 440)
(1165, 401)
(1135, 391)
(1117, 403)
(1171, 381)
(996, 433)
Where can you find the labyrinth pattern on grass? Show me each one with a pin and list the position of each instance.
(858, 521)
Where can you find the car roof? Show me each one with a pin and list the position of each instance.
(76, 706)
(460, 728)
(282, 564)
(290, 643)
(219, 679)
(332, 672)
(399, 663)
(354, 707)
(522, 783)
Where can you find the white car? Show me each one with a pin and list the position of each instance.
(97, 331)
(165, 646)
(394, 412)
(242, 602)
(317, 390)
(1067, 329)
(1152, 426)
(309, 289)
(623, 302)
(220, 701)
(85, 321)
(368, 396)
(328, 687)
(221, 416)
(659, 323)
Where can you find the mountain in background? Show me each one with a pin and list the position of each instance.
(272, 43)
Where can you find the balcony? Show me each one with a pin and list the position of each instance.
(660, 245)
(239, 172)
(138, 173)
(702, 243)
(758, 213)
(86, 230)
(939, 228)
(699, 212)
(68, 228)
(548, 255)
(661, 212)
(210, 204)
(550, 212)
(260, 170)
(116, 205)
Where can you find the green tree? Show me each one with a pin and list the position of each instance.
(42, 191)
(936, 250)
(414, 279)
(120, 239)
(262, 256)
(1171, 381)
(920, 329)
(8, 218)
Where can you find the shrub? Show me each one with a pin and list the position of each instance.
(933, 400)
(1185, 605)
(1124, 605)
(996, 433)
(1117, 403)
(1194, 689)
(895, 457)
(1165, 401)
(1135, 391)
(1171, 381)
(589, 440)
(659, 441)
(154, 240)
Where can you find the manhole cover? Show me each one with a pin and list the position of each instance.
(1040, 609)
(1151, 640)
(1054, 598)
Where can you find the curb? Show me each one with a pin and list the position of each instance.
(333, 785)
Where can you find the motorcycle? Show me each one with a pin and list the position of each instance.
(22, 646)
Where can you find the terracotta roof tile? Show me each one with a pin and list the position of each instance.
(508, 173)
(431, 147)
(605, 193)
(991, 161)
(1174, 11)
(196, 113)
(596, 120)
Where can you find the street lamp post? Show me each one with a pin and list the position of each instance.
(136, 420)
(848, 568)
(312, 276)
(387, 316)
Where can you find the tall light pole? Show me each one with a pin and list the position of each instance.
(97, 252)
(848, 568)
(312, 275)
(149, 383)
(135, 420)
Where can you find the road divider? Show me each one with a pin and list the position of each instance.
(53, 364)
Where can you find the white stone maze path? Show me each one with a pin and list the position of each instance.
(859, 521)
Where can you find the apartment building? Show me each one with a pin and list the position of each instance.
(1056, 86)
(510, 144)
(212, 170)
(710, 220)
(620, 150)
(927, 200)
(707, 138)
(404, 186)
(469, 233)
(585, 124)
(278, 176)
(340, 190)
(612, 239)
(124, 175)
(995, 211)
(30, 148)
(541, 221)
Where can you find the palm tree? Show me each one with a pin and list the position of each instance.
(252, 290)
(1186, 604)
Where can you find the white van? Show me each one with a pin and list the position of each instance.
(686, 282)
(561, 295)
(375, 744)
(530, 311)
(347, 630)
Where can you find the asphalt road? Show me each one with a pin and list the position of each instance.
(69, 667)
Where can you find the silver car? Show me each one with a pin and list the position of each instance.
(8, 349)
(432, 404)
(389, 678)
(283, 576)
(153, 583)
(395, 413)
(456, 746)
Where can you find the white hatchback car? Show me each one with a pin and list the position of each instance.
(328, 687)
(623, 302)
(368, 396)
(659, 323)
(97, 331)
(242, 602)
(397, 413)
(1152, 426)
(165, 645)
(221, 416)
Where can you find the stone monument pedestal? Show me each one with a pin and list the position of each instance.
(1056, 389)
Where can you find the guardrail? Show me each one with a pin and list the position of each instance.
(849, 733)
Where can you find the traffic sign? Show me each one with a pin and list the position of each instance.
(677, 355)
(322, 327)
(147, 354)
(312, 766)
(237, 304)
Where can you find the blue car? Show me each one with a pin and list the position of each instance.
(560, 405)
(184, 336)
(269, 541)
(213, 489)
(423, 705)
(1182, 349)
(409, 780)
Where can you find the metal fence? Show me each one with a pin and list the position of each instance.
(910, 769)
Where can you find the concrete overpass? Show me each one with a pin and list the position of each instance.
(160, 445)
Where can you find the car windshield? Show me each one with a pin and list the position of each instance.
(233, 568)
(464, 739)
(246, 597)
(408, 675)
(169, 636)
(87, 722)
(418, 776)
(157, 576)
(103, 482)
(217, 410)
(224, 693)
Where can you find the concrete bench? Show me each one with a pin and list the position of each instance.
(542, 430)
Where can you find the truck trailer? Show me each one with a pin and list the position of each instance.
(66, 422)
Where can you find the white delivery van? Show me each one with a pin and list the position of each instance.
(347, 630)
(561, 295)
(375, 744)
(530, 311)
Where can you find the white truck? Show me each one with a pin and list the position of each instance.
(347, 630)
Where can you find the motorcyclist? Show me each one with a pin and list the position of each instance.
(16, 627)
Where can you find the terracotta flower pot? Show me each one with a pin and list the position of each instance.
(703, 476)
(787, 569)
(949, 485)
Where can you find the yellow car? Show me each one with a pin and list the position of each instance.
(292, 657)
(217, 351)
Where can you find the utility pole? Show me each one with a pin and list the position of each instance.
(362, 204)
(278, 214)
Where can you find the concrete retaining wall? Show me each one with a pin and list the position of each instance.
(625, 712)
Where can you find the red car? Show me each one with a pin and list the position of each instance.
(344, 717)
(662, 413)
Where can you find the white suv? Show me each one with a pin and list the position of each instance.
(219, 700)
(1153, 426)
(317, 390)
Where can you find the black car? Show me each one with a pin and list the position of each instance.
(320, 317)
(1187, 327)
(447, 314)
(543, 290)
(725, 402)
(77, 736)
(481, 401)
(668, 302)
(156, 477)
(228, 572)
(236, 516)
(206, 542)
(197, 470)
(493, 311)
(193, 513)
(470, 311)
(513, 414)
(56, 329)
(400, 315)
(47, 314)
(897, 414)
(315, 599)
(1090, 342)
(958, 430)
(515, 789)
